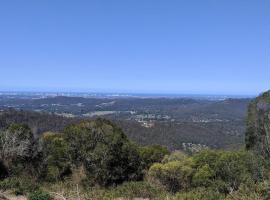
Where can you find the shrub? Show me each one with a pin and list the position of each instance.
(203, 176)
(151, 154)
(39, 195)
(173, 176)
(226, 170)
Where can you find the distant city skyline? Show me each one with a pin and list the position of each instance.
(154, 46)
(115, 93)
(40, 94)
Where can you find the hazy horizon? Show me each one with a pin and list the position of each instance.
(106, 92)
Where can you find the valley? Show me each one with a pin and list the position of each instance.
(214, 122)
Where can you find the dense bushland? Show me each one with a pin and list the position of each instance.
(98, 148)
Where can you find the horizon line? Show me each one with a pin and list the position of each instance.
(129, 93)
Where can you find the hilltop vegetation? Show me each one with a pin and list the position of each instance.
(97, 157)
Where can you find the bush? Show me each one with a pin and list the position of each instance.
(226, 170)
(151, 154)
(222, 171)
(39, 195)
(203, 176)
(173, 176)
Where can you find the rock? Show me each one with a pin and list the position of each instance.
(258, 125)
(3, 197)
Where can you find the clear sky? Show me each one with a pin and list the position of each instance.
(157, 46)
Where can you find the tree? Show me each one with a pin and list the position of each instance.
(108, 156)
(56, 158)
(16, 146)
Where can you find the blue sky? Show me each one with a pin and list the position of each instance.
(149, 46)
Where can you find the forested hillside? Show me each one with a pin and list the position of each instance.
(38, 122)
(173, 135)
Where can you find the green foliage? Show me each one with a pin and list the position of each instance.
(108, 156)
(151, 154)
(82, 138)
(251, 191)
(19, 185)
(256, 165)
(200, 194)
(226, 170)
(250, 136)
(203, 176)
(175, 156)
(56, 157)
(217, 168)
(113, 163)
(231, 169)
(39, 195)
(174, 175)
(222, 171)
